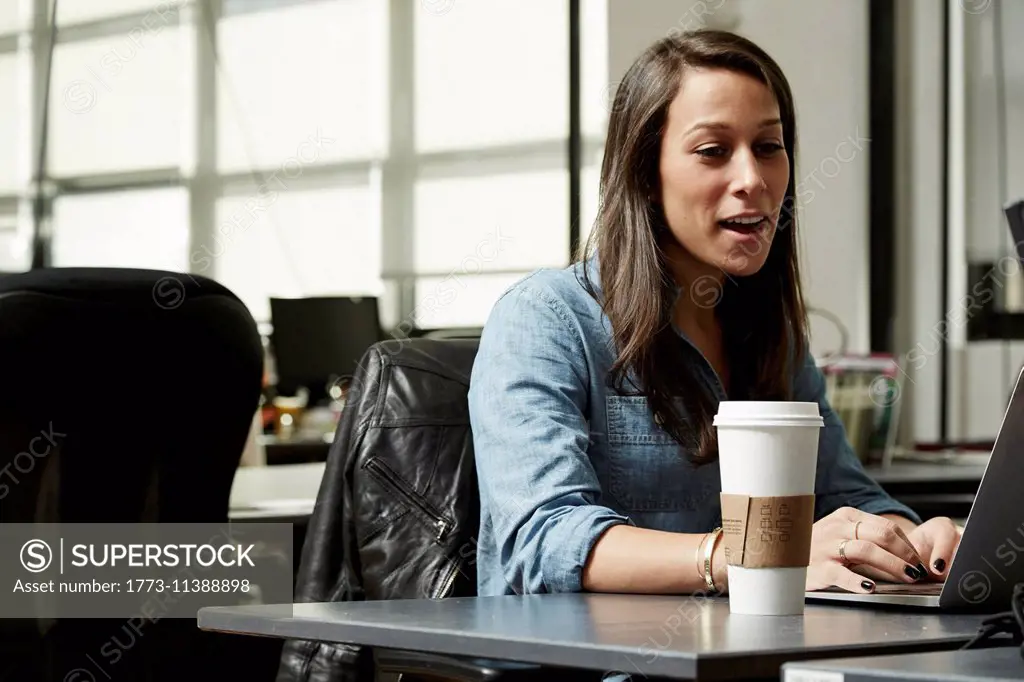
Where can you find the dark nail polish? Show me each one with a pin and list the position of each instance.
(940, 565)
(868, 585)
(912, 573)
(922, 570)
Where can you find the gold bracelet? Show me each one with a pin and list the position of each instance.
(709, 551)
(698, 561)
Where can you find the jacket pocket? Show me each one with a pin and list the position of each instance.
(420, 507)
(648, 470)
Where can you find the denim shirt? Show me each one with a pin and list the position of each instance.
(561, 457)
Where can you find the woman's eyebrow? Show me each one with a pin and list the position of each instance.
(719, 125)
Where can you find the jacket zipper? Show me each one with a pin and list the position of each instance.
(446, 586)
(442, 524)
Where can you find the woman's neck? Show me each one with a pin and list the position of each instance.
(701, 287)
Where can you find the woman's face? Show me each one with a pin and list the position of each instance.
(724, 172)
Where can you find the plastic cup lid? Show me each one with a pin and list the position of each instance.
(739, 412)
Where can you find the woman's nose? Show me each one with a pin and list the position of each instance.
(748, 174)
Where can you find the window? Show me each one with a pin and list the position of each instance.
(77, 11)
(590, 179)
(501, 221)
(15, 15)
(596, 94)
(313, 242)
(118, 105)
(132, 229)
(479, 63)
(14, 117)
(323, 80)
(491, 194)
(15, 254)
(456, 300)
(298, 102)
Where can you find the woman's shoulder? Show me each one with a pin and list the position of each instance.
(568, 297)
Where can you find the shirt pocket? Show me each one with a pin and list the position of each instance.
(648, 470)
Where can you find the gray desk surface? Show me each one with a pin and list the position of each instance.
(679, 637)
(975, 665)
(926, 472)
(284, 492)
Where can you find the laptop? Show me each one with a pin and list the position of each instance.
(990, 558)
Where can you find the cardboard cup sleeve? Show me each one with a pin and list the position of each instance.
(767, 532)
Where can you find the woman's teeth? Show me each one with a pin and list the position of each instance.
(742, 223)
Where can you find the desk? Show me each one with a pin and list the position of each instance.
(927, 473)
(678, 637)
(294, 450)
(284, 493)
(932, 488)
(976, 665)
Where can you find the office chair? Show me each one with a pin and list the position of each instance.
(397, 514)
(144, 384)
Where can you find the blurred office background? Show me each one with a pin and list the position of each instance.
(422, 155)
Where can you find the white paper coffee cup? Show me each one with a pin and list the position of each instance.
(768, 449)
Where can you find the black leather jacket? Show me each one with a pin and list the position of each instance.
(398, 508)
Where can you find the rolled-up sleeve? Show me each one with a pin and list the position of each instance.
(528, 398)
(841, 480)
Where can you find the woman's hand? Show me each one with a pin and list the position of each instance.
(877, 547)
(936, 541)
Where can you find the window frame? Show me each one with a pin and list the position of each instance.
(396, 172)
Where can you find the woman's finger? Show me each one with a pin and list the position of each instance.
(867, 553)
(829, 574)
(877, 575)
(890, 537)
(944, 539)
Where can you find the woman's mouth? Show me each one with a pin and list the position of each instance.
(747, 224)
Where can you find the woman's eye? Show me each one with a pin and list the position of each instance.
(768, 148)
(711, 152)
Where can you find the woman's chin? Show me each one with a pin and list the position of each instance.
(742, 264)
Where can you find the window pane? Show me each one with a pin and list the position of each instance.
(495, 222)
(491, 73)
(595, 96)
(134, 229)
(15, 247)
(122, 104)
(14, 256)
(75, 11)
(299, 243)
(15, 91)
(590, 179)
(306, 72)
(459, 300)
(15, 15)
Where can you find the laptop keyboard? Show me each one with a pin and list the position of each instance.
(924, 589)
(916, 588)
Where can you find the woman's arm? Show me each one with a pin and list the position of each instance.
(539, 493)
(631, 559)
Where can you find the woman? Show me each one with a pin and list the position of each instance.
(594, 388)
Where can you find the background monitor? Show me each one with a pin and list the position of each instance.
(318, 340)
(1015, 217)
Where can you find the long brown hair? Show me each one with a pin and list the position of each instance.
(762, 316)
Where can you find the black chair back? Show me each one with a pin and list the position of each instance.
(127, 397)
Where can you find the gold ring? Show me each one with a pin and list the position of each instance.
(855, 536)
(842, 551)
